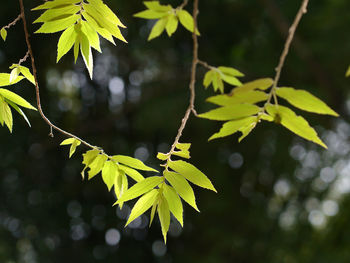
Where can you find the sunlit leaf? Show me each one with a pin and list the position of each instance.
(132, 173)
(58, 25)
(140, 188)
(158, 28)
(109, 173)
(97, 165)
(172, 24)
(186, 20)
(294, 123)
(182, 187)
(304, 100)
(16, 99)
(3, 34)
(261, 84)
(66, 42)
(164, 216)
(250, 97)
(231, 112)
(174, 202)
(142, 205)
(133, 163)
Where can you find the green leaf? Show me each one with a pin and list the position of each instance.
(133, 163)
(261, 84)
(230, 80)
(55, 4)
(232, 127)
(142, 205)
(158, 28)
(231, 112)
(183, 146)
(153, 212)
(27, 74)
(305, 101)
(156, 6)
(140, 188)
(3, 34)
(14, 74)
(19, 110)
(164, 216)
(58, 25)
(186, 20)
(57, 13)
(151, 14)
(67, 141)
(192, 174)
(162, 156)
(230, 71)
(102, 31)
(208, 78)
(5, 79)
(174, 202)
(97, 165)
(104, 20)
(172, 24)
(120, 185)
(6, 115)
(105, 11)
(132, 173)
(182, 187)
(73, 147)
(85, 50)
(183, 154)
(294, 123)
(92, 35)
(250, 97)
(16, 99)
(66, 42)
(109, 173)
(88, 158)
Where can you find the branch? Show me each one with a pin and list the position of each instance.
(192, 85)
(37, 90)
(13, 22)
(185, 2)
(292, 29)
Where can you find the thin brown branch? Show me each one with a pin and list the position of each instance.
(292, 29)
(185, 2)
(192, 85)
(205, 64)
(37, 90)
(24, 58)
(13, 22)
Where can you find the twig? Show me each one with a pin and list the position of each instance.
(292, 29)
(185, 2)
(205, 64)
(24, 58)
(13, 22)
(192, 85)
(37, 90)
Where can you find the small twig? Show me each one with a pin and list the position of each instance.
(24, 58)
(205, 64)
(192, 85)
(37, 90)
(13, 22)
(292, 29)
(185, 2)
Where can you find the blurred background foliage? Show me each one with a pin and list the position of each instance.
(280, 198)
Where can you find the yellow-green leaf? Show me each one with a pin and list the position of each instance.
(6, 115)
(232, 127)
(132, 173)
(347, 74)
(294, 123)
(183, 146)
(151, 14)
(56, 3)
(5, 79)
(182, 187)
(3, 34)
(142, 205)
(66, 42)
(186, 20)
(158, 28)
(174, 202)
(230, 71)
(133, 163)
(109, 173)
(16, 99)
(192, 174)
(97, 165)
(58, 25)
(172, 24)
(304, 100)
(57, 13)
(250, 97)
(231, 112)
(164, 216)
(19, 110)
(156, 6)
(140, 188)
(261, 84)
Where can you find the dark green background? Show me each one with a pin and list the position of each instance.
(273, 203)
